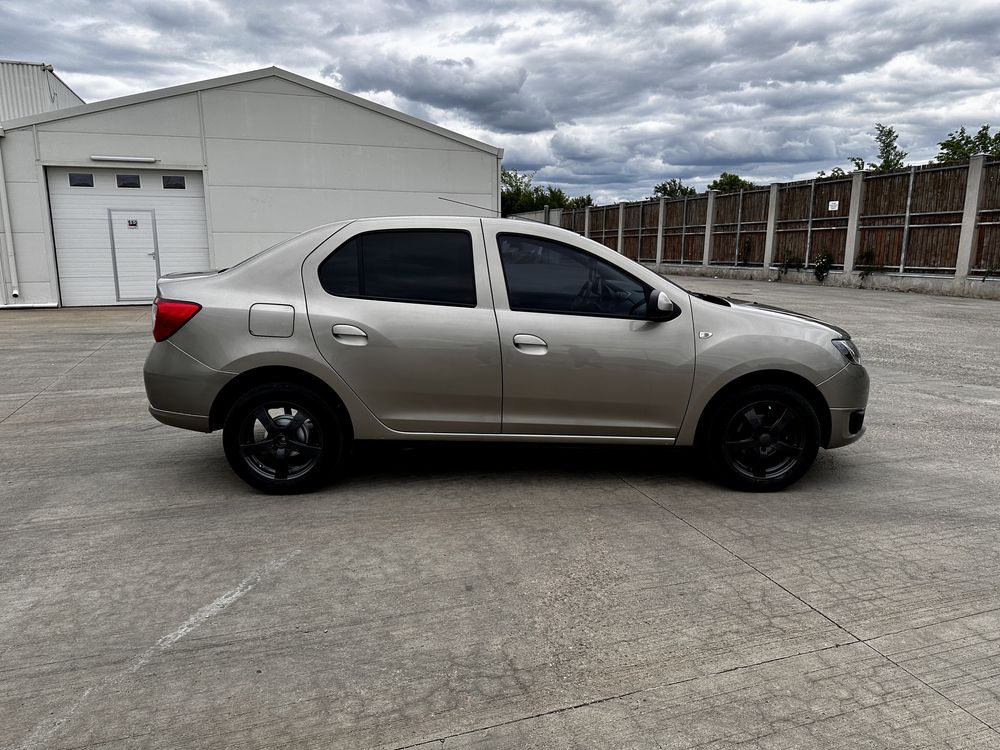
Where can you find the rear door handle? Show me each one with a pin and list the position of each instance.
(530, 344)
(349, 335)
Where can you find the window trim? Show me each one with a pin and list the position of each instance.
(361, 267)
(647, 289)
(71, 175)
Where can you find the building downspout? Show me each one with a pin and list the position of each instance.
(8, 237)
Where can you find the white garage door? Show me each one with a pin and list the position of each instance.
(118, 230)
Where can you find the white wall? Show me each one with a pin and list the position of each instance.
(277, 158)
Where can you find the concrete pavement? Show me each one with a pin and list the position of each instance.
(517, 596)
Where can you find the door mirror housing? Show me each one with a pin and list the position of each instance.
(659, 306)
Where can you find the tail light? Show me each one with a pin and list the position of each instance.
(170, 315)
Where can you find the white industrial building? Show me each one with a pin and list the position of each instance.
(98, 200)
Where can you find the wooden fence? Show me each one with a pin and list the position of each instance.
(931, 219)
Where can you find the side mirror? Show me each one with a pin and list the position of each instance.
(659, 306)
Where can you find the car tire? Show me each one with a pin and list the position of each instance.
(283, 439)
(762, 438)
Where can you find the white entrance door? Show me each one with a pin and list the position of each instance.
(133, 245)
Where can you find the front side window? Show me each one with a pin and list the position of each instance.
(81, 179)
(547, 276)
(174, 182)
(127, 180)
(424, 266)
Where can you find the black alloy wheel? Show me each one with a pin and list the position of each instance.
(282, 439)
(764, 438)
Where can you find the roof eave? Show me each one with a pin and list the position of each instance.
(252, 75)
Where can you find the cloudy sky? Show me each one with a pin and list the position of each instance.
(603, 98)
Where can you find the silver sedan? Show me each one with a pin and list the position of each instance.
(455, 328)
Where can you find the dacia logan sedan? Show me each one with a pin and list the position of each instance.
(457, 328)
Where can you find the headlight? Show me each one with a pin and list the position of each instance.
(849, 350)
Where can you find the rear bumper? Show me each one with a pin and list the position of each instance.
(196, 422)
(180, 389)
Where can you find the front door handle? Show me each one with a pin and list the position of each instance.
(349, 335)
(530, 344)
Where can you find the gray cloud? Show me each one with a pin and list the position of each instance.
(596, 97)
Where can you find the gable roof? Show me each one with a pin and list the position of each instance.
(252, 75)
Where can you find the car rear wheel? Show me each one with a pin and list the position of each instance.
(763, 438)
(283, 439)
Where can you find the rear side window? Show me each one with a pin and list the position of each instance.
(426, 266)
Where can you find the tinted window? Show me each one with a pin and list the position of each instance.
(173, 182)
(77, 179)
(431, 266)
(545, 276)
(127, 180)
(339, 273)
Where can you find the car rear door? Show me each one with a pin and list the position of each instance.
(579, 357)
(402, 311)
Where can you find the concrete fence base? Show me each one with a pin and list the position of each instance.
(943, 285)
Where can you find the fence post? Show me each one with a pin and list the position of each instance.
(586, 222)
(619, 246)
(659, 236)
(771, 233)
(967, 237)
(809, 223)
(906, 220)
(709, 221)
(739, 226)
(545, 214)
(853, 220)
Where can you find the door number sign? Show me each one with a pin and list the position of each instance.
(133, 223)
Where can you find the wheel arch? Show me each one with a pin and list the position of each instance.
(275, 374)
(768, 377)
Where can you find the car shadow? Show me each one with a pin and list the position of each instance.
(444, 459)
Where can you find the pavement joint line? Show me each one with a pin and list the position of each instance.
(128, 329)
(58, 379)
(630, 693)
(45, 729)
(750, 565)
(863, 641)
(933, 689)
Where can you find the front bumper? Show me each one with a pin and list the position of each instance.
(181, 389)
(846, 393)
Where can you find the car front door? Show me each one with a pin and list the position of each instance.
(579, 356)
(404, 315)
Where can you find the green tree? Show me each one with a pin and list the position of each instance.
(890, 156)
(518, 194)
(960, 145)
(515, 192)
(727, 182)
(672, 188)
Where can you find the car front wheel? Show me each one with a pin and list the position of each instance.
(763, 438)
(283, 439)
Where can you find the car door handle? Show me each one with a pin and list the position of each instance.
(349, 335)
(530, 344)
